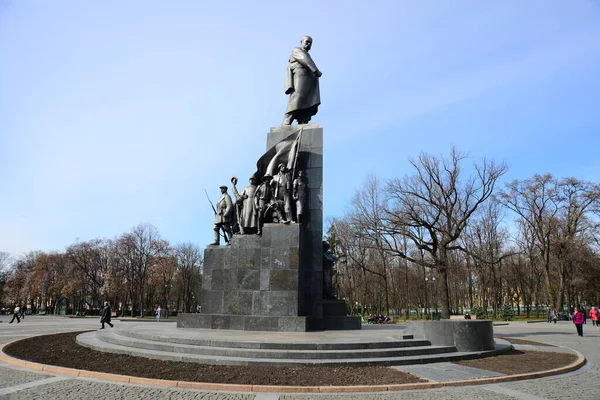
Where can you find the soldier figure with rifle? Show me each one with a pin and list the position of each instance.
(223, 216)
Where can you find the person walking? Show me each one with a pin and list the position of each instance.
(578, 321)
(16, 312)
(554, 315)
(106, 314)
(22, 312)
(157, 313)
(594, 316)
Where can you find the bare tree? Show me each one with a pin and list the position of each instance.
(123, 270)
(535, 201)
(359, 267)
(133, 256)
(48, 281)
(19, 279)
(147, 247)
(92, 258)
(554, 212)
(439, 200)
(188, 279)
(484, 240)
(577, 199)
(367, 220)
(5, 261)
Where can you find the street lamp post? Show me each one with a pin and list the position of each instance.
(166, 301)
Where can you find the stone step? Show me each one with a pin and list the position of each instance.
(115, 338)
(405, 341)
(91, 340)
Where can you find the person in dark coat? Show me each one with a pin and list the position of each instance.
(106, 314)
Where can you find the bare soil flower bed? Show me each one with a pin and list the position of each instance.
(516, 362)
(62, 350)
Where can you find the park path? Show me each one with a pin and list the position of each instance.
(19, 383)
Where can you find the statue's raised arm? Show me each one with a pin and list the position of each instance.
(302, 85)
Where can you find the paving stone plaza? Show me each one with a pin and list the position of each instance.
(20, 383)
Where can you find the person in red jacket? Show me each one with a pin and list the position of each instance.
(594, 316)
(578, 319)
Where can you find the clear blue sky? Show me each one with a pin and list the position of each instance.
(114, 113)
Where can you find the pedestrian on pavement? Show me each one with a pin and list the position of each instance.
(157, 313)
(22, 315)
(578, 321)
(594, 316)
(554, 315)
(16, 312)
(105, 316)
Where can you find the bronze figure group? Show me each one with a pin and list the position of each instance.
(271, 201)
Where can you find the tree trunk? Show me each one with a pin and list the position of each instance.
(445, 314)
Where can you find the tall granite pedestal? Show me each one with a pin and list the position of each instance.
(274, 282)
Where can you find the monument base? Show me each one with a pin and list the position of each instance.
(244, 322)
(267, 323)
(263, 283)
(374, 345)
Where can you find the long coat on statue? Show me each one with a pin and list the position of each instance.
(302, 84)
(224, 209)
(249, 212)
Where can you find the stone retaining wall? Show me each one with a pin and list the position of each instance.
(465, 335)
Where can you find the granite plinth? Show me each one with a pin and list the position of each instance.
(244, 322)
(339, 323)
(310, 159)
(334, 308)
(254, 276)
(268, 323)
(465, 335)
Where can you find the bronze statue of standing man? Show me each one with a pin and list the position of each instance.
(299, 193)
(302, 84)
(223, 217)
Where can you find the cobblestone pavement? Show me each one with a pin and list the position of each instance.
(78, 389)
(19, 383)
